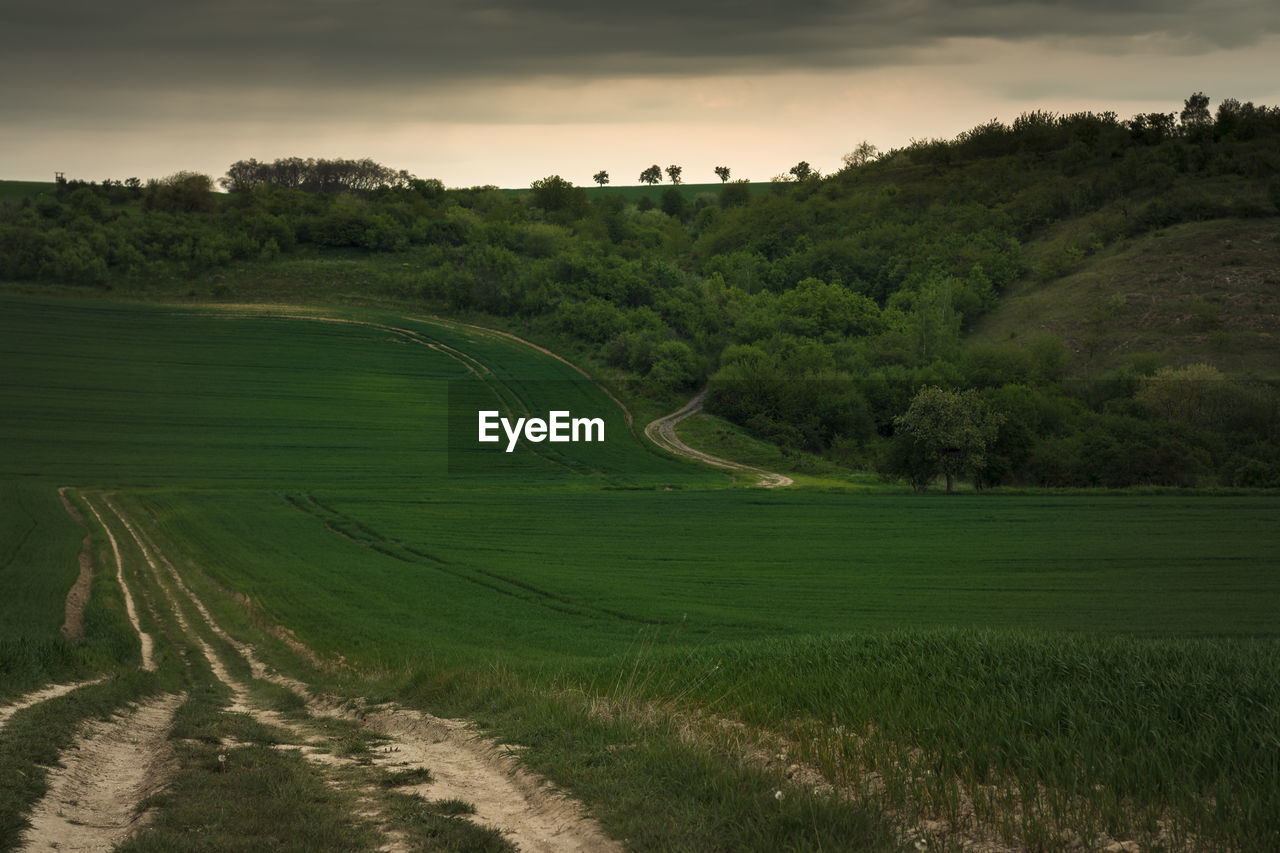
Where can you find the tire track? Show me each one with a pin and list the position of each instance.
(92, 799)
(148, 657)
(256, 666)
(44, 694)
(508, 798)
(662, 432)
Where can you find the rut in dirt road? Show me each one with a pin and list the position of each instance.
(148, 658)
(78, 595)
(527, 810)
(523, 807)
(44, 694)
(113, 766)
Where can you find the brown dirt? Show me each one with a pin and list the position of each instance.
(465, 766)
(114, 765)
(662, 432)
(78, 595)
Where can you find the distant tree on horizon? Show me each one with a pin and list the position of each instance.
(601, 177)
(673, 172)
(722, 172)
(651, 175)
(181, 192)
(1195, 111)
(802, 170)
(861, 155)
(314, 175)
(556, 195)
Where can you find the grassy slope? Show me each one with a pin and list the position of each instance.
(15, 191)
(1197, 292)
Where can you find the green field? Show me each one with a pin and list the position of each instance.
(1116, 651)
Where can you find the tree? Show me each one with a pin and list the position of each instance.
(601, 177)
(738, 193)
(651, 175)
(802, 170)
(948, 431)
(674, 203)
(181, 192)
(863, 154)
(673, 172)
(312, 175)
(722, 172)
(1195, 111)
(556, 195)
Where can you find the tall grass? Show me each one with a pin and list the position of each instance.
(1015, 735)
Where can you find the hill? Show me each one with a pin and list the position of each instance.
(819, 309)
(1200, 292)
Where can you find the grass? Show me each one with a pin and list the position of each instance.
(1196, 292)
(441, 826)
(16, 191)
(727, 440)
(38, 563)
(1019, 665)
(258, 798)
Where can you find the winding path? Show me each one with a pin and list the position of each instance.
(662, 432)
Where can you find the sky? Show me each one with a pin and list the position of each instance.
(510, 91)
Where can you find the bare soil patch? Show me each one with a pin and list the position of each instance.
(78, 595)
(114, 765)
(529, 811)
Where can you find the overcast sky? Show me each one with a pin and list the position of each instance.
(510, 91)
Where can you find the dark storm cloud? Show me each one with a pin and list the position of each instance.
(47, 47)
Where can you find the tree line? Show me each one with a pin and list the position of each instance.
(313, 175)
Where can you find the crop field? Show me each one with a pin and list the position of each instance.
(1014, 667)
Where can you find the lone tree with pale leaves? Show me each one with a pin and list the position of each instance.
(722, 172)
(942, 432)
(863, 154)
(673, 172)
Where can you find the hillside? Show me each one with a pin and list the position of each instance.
(1004, 261)
(1201, 292)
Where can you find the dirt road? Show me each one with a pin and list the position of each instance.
(662, 432)
(113, 765)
